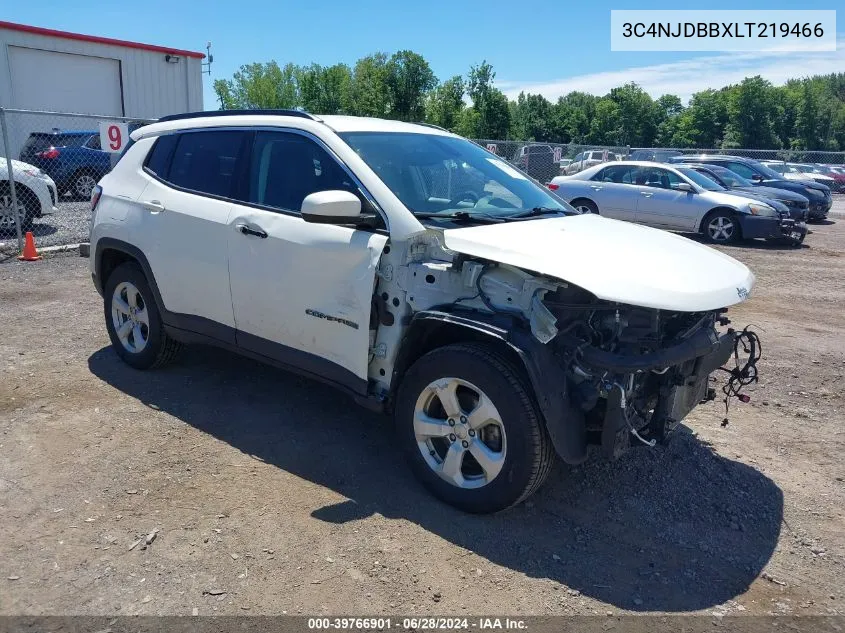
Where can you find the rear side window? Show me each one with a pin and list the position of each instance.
(619, 174)
(206, 162)
(36, 143)
(93, 142)
(158, 161)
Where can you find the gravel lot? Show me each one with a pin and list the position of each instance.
(68, 225)
(272, 494)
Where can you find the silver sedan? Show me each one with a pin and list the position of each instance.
(674, 198)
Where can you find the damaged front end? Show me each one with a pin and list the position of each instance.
(604, 373)
(634, 373)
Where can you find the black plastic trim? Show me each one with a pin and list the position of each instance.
(221, 113)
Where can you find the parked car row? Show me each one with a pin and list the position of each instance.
(725, 198)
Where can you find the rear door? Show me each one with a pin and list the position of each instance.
(302, 292)
(182, 226)
(612, 189)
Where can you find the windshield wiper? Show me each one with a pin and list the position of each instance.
(462, 215)
(530, 213)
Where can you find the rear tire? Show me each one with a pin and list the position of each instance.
(721, 227)
(82, 184)
(494, 417)
(133, 320)
(585, 206)
(26, 199)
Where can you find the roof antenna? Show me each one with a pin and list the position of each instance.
(206, 66)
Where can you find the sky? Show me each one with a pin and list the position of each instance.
(549, 47)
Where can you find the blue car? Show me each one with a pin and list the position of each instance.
(72, 158)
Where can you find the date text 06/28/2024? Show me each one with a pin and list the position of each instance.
(420, 623)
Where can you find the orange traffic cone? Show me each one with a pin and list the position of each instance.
(29, 253)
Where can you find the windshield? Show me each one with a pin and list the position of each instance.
(733, 179)
(768, 172)
(700, 179)
(443, 174)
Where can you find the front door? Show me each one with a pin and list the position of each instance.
(660, 203)
(302, 292)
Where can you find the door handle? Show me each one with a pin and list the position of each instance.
(153, 205)
(246, 230)
(647, 194)
(596, 187)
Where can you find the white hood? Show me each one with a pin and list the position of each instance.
(614, 260)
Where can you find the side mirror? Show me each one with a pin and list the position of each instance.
(685, 186)
(332, 207)
(757, 178)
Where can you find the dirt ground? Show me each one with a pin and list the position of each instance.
(271, 494)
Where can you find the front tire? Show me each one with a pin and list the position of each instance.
(471, 429)
(720, 227)
(133, 320)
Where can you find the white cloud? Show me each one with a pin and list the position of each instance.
(689, 76)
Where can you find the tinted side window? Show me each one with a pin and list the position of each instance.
(69, 140)
(206, 161)
(742, 170)
(93, 142)
(284, 168)
(158, 161)
(618, 174)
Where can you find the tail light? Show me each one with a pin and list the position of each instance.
(49, 153)
(95, 197)
(553, 186)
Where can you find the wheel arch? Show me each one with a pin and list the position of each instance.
(111, 253)
(722, 208)
(578, 199)
(536, 363)
(21, 189)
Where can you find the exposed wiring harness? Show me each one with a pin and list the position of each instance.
(742, 374)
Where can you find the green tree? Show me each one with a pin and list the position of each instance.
(409, 79)
(492, 114)
(531, 118)
(369, 92)
(668, 109)
(259, 86)
(636, 116)
(445, 103)
(326, 90)
(606, 125)
(751, 115)
(703, 123)
(807, 118)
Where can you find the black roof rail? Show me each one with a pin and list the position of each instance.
(436, 127)
(215, 113)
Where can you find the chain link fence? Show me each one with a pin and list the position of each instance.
(544, 161)
(49, 164)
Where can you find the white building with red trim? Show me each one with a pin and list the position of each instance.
(45, 69)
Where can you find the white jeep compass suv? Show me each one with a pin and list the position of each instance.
(422, 275)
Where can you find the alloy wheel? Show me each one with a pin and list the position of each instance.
(7, 216)
(460, 433)
(130, 317)
(720, 229)
(84, 185)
